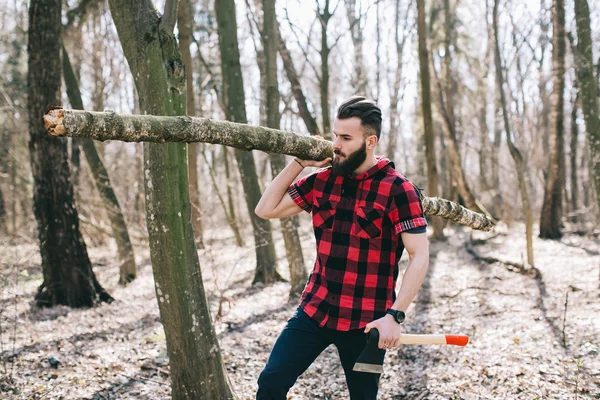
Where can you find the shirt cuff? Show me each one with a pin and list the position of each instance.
(404, 226)
(293, 192)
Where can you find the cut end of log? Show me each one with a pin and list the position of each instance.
(53, 122)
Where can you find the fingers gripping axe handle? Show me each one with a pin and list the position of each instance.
(371, 359)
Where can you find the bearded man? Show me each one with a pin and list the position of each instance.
(364, 215)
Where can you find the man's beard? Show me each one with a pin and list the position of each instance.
(353, 161)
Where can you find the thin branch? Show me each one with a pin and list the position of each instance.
(253, 20)
(335, 8)
(79, 13)
(352, 25)
(304, 52)
(210, 73)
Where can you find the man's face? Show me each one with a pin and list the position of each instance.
(349, 146)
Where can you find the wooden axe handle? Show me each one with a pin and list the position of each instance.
(457, 340)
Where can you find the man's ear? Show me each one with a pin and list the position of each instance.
(371, 142)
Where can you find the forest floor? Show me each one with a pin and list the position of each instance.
(529, 338)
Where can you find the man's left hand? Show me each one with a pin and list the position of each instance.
(389, 331)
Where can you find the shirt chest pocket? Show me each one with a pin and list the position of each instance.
(324, 213)
(368, 222)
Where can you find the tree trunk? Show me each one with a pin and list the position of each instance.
(229, 214)
(99, 81)
(574, 200)
(233, 220)
(3, 222)
(394, 95)
(589, 90)
(550, 219)
(378, 52)
(359, 80)
(514, 152)
(458, 175)
(4, 170)
(108, 125)
(432, 175)
(127, 266)
(185, 32)
(288, 65)
(233, 93)
(67, 270)
(291, 239)
(324, 18)
(482, 93)
(197, 369)
(543, 126)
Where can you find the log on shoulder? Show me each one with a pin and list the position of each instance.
(149, 128)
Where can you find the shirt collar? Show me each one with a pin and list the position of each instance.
(381, 163)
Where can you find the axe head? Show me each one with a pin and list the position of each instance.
(371, 359)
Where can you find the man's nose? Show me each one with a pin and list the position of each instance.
(337, 144)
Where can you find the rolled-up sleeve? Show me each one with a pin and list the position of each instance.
(302, 192)
(406, 210)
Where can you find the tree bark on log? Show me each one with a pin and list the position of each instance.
(149, 128)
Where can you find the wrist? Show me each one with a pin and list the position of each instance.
(299, 163)
(398, 316)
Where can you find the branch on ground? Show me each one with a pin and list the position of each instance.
(522, 268)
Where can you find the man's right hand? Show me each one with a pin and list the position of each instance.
(313, 163)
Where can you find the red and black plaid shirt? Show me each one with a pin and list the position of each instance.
(357, 222)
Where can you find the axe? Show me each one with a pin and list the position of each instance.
(371, 359)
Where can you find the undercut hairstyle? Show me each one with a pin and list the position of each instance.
(365, 109)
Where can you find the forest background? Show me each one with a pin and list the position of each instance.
(492, 105)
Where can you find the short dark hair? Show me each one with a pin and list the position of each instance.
(365, 109)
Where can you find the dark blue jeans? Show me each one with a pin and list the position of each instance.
(300, 343)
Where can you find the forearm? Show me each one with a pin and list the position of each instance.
(277, 188)
(412, 280)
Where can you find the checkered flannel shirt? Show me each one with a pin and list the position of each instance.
(357, 223)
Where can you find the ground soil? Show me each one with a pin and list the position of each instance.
(530, 338)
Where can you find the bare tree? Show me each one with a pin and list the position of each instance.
(514, 152)
(395, 98)
(290, 70)
(233, 93)
(184, 23)
(291, 238)
(550, 219)
(359, 81)
(67, 270)
(589, 89)
(127, 267)
(432, 174)
(196, 366)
